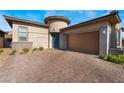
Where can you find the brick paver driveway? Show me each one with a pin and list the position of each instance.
(59, 66)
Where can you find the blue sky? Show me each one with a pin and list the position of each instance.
(76, 16)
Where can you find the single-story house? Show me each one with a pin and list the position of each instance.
(1, 38)
(98, 36)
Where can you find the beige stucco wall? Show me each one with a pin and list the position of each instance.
(87, 28)
(39, 39)
(36, 34)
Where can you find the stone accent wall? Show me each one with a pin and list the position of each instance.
(104, 40)
(63, 40)
(21, 45)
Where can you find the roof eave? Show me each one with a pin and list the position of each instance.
(12, 19)
(56, 17)
(103, 18)
(2, 31)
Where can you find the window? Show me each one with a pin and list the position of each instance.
(23, 33)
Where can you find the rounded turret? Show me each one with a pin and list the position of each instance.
(56, 23)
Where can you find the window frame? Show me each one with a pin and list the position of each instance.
(19, 33)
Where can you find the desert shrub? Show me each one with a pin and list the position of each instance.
(13, 52)
(34, 49)
(119, 59)
(123, 46)
(25, 50)
(40, 48)
(1, 50)
(21, 53)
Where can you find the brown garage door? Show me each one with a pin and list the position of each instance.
(84, 42)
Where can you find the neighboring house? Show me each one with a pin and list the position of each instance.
(8, 40)
(98, 36)
(123, 42)
(123, 37)
(1, 38)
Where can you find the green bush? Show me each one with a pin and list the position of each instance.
(26, 50)
(34, 49)
(13, 52)
(40, 48)
(113, 58)
(103, 56)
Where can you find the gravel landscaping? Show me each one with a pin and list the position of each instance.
(56, 66)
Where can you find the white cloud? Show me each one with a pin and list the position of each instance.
(29, 16)
(122, 23)
(50, 13)
(1, 13)
(4, 12)
(77, 11)
(90, 13)
(107, 12)
(33, 16)
(80, 11)
(4, 25)
(87, 13)
(55, 12)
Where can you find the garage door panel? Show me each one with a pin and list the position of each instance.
(84, 42)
